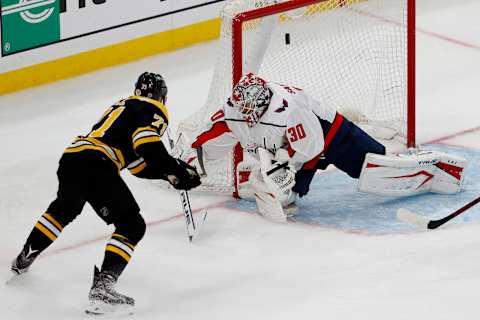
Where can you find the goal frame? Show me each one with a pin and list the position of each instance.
(237, 60)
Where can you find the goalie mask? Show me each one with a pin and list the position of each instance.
(251, 97)
(151, 85)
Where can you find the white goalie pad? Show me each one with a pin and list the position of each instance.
(245, 178)
(404, 175)
(272, 188)
(268, 205)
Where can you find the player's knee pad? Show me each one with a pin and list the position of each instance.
(133, 228)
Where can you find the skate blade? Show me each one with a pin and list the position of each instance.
(107, 310)
(16, 278)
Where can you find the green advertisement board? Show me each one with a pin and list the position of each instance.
(27, 24)
(30, 24)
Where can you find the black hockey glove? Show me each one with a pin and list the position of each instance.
(185, 176)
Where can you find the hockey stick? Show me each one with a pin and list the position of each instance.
(413, 218)
(187, 211)
(203, 172)
(185, 201)
(275, 169)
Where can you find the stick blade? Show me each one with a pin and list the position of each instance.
(408, 216)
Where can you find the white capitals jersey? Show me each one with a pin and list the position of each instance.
(290, 122)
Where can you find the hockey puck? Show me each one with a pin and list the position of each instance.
(287, 38)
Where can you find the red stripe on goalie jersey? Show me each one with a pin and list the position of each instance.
(215, 131)
(290, 150)
(337, 123)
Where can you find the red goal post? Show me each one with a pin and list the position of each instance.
(239, 19)
(237, 57)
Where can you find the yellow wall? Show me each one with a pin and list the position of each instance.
(108, 56)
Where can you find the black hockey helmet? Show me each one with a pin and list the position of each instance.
(151, 85)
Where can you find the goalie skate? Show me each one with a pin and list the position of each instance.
(104, 299)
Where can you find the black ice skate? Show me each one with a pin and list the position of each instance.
(103, 297)
(21, 263)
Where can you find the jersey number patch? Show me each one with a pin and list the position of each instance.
(159, 123)
(296, 133)
(111, 115)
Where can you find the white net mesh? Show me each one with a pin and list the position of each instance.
(350, 53)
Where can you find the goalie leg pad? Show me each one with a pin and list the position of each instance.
(244, 179)
(404, 175)
(268, 205)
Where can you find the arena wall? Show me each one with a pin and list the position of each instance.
(48, 40)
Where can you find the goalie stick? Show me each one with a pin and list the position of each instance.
(185, 201)
(413, 218)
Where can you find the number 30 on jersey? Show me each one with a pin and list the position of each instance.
(296, 133)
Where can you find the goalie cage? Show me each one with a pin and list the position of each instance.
(358, 55)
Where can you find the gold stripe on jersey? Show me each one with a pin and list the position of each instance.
(145, 135)
(52, 220)
(118, 155)
(45, 231)
(118, 251)
(144, 132)
(137, 166)
(144, 140)
(156, 103)
(117, 235)
(120, 245)
(88, 143)
(49, 226)
(144, 129)
(123, 240)
(130, 245)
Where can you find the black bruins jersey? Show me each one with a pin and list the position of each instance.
(123, 129)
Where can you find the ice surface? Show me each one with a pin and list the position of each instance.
(346, 257)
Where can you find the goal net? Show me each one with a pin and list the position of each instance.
(356, 55)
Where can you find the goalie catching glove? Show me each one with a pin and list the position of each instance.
(184, 177)
(272, 183)
(277, 173)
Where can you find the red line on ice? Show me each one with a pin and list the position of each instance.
(221, 204)
(449, 39)
(453, 135)
(105, 237)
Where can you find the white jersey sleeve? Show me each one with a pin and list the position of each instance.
(304, 132)
(217, 140)
(305, 137)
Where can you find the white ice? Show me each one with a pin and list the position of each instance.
(241, 266)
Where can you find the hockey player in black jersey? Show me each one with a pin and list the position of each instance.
(128, 135)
